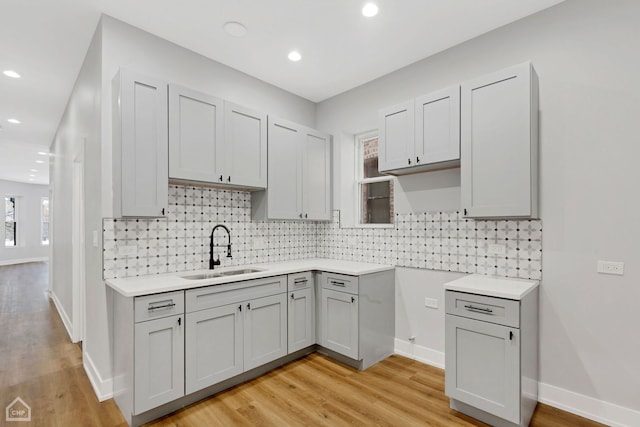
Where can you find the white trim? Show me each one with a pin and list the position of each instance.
(419, 353)
(588, 407)
(23, 260)
(101, 387)
(63, 314)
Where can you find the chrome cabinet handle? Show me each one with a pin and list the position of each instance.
(170, 304)
(334, 283)
(473, 308)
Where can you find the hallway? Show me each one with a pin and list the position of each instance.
(37, 360)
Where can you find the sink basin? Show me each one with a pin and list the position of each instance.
(215, 274)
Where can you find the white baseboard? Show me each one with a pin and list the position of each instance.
(588, 407)
(22, 261)
(419, 353)
(66, 321)
(103, 388)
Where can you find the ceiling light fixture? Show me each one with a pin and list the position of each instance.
(39, 161)
(235, 29)
(14, 121)
(294, 56)
(42, 153)
(33, 170)
(369, 10)
(11, 73)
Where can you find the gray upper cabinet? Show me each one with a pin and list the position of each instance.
(214, 141)
(140, 175)
(299, 181)
(499, 144)
(421, 134)
(196, 138)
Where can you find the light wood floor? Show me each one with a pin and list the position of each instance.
(39, 364)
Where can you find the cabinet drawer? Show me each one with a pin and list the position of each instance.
(299, 281)
(230, 293)
(339, 282)
(489, 309)
(158, 305)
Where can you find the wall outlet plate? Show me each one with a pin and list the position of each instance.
(431, 302)
(611, 267)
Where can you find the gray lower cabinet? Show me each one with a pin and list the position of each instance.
(357, 316)
(301, 325)
(491, 357)
(233, 328)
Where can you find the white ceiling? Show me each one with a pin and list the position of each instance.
(45, 41)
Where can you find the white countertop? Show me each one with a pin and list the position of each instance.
(493, 286)
(157, 283)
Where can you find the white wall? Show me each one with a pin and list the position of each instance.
(29, 246)
(585, 54)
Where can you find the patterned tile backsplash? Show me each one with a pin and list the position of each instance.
(428, 240)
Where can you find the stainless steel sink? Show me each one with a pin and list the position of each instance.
(215, 274)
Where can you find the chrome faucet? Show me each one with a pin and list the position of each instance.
(213, 263)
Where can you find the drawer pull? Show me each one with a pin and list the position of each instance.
(483, 310)
(334, 283)
(159, 307)
(299, 281)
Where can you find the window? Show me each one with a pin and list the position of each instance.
(10, 229)
(375, 203)
(44, 220)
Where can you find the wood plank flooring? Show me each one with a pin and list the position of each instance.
(39, 364)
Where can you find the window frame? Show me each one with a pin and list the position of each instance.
(15, 221)
(360, 180)
(42, 200)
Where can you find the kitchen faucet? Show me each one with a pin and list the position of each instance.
(213, 263)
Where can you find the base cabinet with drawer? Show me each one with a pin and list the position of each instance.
(357, 316)
(301, 319)
(491, 357)
(233, 328)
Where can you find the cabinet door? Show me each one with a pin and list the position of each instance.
(301, 319)
(246, 142)
(285, 170)
(482, 366)
(140, 145)
(316, 181)
(265, 334)
(437, 127)
(196, 145)
(396, 139)
(159, 362)
(339, 317)
(213, 345)
(499, 144)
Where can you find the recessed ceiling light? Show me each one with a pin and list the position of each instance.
(33, 170)
(11, 73)
(14, 121)
(42, 153)
(39, 161)
(295, 56)
(235, 29)
(32, 176)
(369, 10)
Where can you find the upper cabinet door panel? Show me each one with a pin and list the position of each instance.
(499, 144)
(285, 150)
(396, 137)
(437, 126)
(316, 191)
(140, 145)
(246, 141)
(196, 146)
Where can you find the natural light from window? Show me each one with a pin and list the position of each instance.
(375, 204)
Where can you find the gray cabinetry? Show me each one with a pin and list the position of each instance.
(301, 323)
(140, 175)
(265, 330)
(421, 134)
(299, 181)
(499, 144)
(491, 357)
(214, 141)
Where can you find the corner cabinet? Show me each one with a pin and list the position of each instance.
(140, 154)
(299, 181)
(499, 143)
(421, 134)
(214, 141)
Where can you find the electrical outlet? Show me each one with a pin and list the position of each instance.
(494, 249)
(610, 267)
(128, 250)
(431, 302)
